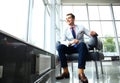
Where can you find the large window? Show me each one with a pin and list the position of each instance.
(102, 19)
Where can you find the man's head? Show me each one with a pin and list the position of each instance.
(70, 18)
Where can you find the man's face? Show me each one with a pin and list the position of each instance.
(70, 20)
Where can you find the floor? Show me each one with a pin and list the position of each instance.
(111, 74)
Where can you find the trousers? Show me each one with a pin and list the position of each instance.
(81, 49)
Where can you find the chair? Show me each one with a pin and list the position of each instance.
(95, 47)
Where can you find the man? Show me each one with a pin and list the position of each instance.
(72, 41)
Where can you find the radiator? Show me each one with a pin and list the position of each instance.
(43, 63)
(1, 71)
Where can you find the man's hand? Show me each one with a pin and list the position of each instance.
(75, 41)
(93, 33)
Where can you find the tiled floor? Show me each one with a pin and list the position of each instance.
(111, 74)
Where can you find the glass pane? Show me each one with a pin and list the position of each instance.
(119, 42)
(93, 12)
(105, 13)
(14, 16)
(95, 26)
(47, 32)
(118, 28)
(116, 12)
(107, 29)
(49, 1)
(37, 29)
(109, 47)
(84, 23)
(66, 10)
(57, 21)
(80, 12)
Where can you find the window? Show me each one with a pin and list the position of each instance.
(66, 10)
(116, 12)
(80, 12)
(47, 32)
(14, 17)
(36, 36)
(100, 20)
(107, 29)
(96, 26)
(105, 13)
(93, 13)
(118, 28)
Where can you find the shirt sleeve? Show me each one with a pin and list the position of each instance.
(86, 31)
(64, 38)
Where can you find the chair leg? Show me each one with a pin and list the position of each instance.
(72, 66)
(101, 66)
(96, 69)
(60, 70)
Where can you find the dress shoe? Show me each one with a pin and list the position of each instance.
(62, 76)
(83, 78)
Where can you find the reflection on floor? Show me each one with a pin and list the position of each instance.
(111, 74)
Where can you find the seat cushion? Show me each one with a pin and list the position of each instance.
(92, 56)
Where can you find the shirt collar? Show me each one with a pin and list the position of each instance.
(72, 27)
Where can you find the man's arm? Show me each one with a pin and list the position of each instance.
(64, 38)
(89, 33)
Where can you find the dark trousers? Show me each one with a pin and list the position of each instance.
(81, 49)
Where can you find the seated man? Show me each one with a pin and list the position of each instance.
(73, 42)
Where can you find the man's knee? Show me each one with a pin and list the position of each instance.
(82, 44)
(61, 47)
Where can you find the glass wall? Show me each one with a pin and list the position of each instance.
(105, 20)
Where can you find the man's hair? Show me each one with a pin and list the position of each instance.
(72, 15)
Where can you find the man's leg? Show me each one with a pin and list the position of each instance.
(62, 50)
(83, 52)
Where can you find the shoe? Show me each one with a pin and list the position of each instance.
(83, 78)
(62, 76)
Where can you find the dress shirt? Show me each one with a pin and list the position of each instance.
(79, 30)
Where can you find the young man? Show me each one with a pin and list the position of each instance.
(72, 41)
